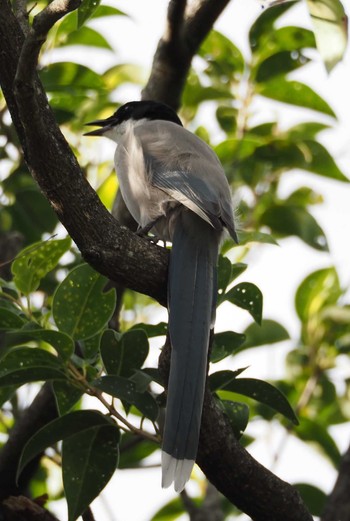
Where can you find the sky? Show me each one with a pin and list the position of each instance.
(276, 270)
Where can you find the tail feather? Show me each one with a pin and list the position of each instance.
(192, 291)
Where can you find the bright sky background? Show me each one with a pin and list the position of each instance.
(277, 271)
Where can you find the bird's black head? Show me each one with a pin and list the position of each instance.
(135, 111)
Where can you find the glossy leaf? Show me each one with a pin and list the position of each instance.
(35, 261)
(90, 307)
(62, 343)
(262, 392)
(270, 332)
(238, 415)
(86, 10)
(71, 78)
(247, 296)
(290, 38)
(125, 390)
(122, 355)
(331, 30)
(66, 394)
(59, 429)
(227, 272)
(296, 94)
(288, 220)
(89, 460)
(221, 379)
(318, 290)
(280, 64)
(225, 344)
(24, 364)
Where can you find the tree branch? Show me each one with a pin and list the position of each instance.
(338, 502)
(183, 35)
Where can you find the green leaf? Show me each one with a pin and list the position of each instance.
(59, 429)
(280, 64)
(264, 25)
(247, 296)
(66, 394)
(123, 73)
(90, 307)
(10, 320)
(227, 272)
(306, 130)
(86, 10)
(124, 354)
(107, 10)
(125, 390)
(294, 93)
(227, 118)
(24, 364)
(313, 497)
(70, 78)
(87, 37)
(319, 161)
(223, 57)
(318, 290)
(253, 236)
(225, 344)
(331, 30)
(152, 330)
(238, 415)
(89, 460)
(270, 332)
(133, 451)
(171, 511)
(219, 380)
(35, 261)
(63, 343)
(288, 220)
(314, 432)
(262, 392)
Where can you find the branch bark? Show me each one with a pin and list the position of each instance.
(338, 503)
(112, 249)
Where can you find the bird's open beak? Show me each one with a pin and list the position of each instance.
(105, 125)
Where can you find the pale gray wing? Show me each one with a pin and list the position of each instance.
(187, 169)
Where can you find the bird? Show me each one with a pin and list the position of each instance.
(174, 186)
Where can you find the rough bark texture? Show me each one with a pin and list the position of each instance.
(112, 249)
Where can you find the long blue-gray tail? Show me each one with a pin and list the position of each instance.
(192, 298)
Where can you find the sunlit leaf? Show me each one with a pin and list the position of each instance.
(90, 307)
(296, 94)
(253, 236)
(318, 290)
(86, 10)
(35, 261)
(331, 29)
(62, 343)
